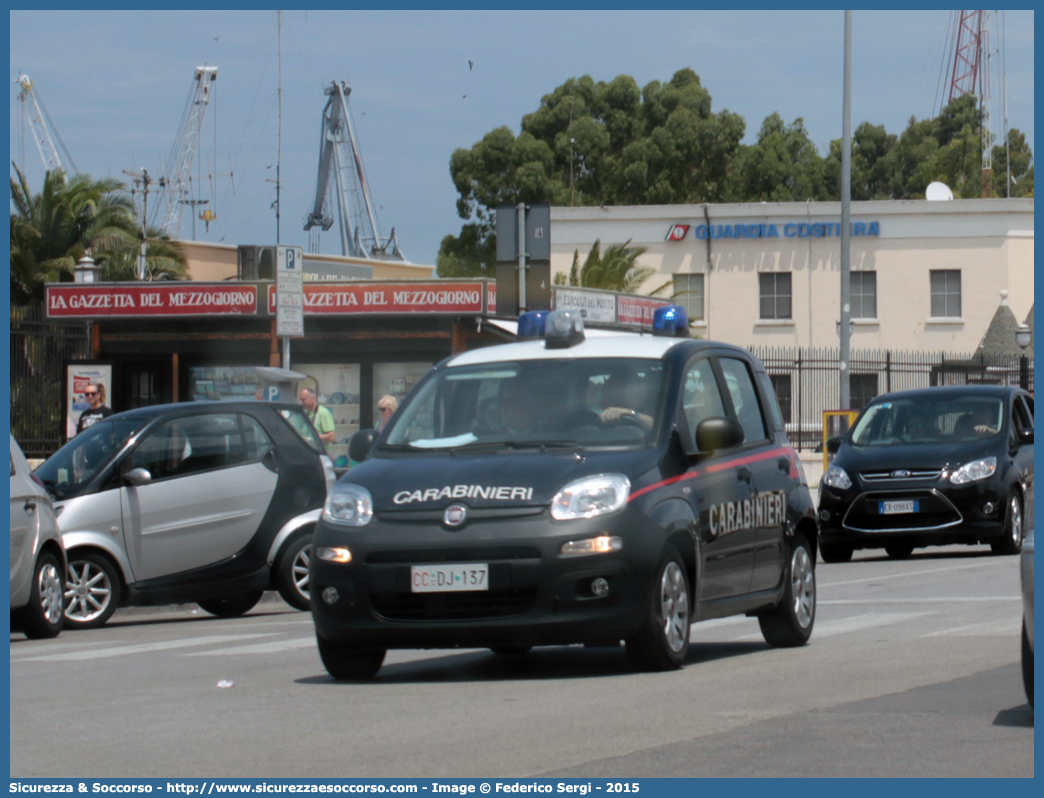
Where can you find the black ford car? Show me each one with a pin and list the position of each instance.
(931, 467)
(574, 488)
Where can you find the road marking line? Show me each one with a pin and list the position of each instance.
(933, 600)
(1008, 627)
(856, 623)
(879, 577)
(260, 648)
(142, 648)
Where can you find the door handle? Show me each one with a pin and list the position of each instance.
(743, 474)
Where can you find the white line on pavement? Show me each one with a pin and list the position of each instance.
(856, 623)
(260, 648)
(931, 600)
(1009, 627)
(142, 648)
(879, 577)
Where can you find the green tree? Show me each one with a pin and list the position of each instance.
(871, 175)
(615, 269)
(1021, 166)
(51, 230)
(783, 166)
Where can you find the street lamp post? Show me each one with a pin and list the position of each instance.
(1023, 336)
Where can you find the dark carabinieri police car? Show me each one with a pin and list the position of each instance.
(931, 467)
(570, 488)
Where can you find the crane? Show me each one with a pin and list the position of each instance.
(970, 74)
(43, 126)
(177, 176)
(339, 156)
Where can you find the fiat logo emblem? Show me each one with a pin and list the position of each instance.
(455, 515)
(900, 474)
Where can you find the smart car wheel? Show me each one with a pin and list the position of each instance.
(899, 551)
(662, 643)
(42, 617)
(1027, 664)
(834, 552)
(92, 591)
(1012, 542)
(292, 577)
(790, 623)
(350, 663)
(232, 606)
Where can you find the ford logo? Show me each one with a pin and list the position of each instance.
(455, 515)
(900, 474)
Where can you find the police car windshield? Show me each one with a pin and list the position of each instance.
(66, 472)
(927, 419)
(590, 403)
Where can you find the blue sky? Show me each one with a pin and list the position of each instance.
(116, 83)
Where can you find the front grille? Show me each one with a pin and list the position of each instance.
(453, 554)
(934, 512)
(453, 606)
(878, 476)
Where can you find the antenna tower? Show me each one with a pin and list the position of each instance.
(178, 176)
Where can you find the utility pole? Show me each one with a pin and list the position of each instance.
(192, 203)
(144, 180)
(279, 137)
(844, 329)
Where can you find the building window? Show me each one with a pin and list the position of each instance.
(775, 293)
(863, 293)
(946, 293)
(781, 387)
(862, 388)
(688, 291)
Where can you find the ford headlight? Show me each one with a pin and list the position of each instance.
(974, 471)
(836, 477)
(591, 496)
(348, 504)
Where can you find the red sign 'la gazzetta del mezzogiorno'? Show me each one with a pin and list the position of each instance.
(117, 300)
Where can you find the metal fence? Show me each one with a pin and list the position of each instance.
(39, 351)
(806, 380)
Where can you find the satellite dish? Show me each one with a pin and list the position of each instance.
(938, 191)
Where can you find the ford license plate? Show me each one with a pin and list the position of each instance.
(449, 578)
(897, 508)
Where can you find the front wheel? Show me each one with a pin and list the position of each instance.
(835, 552)
(42, 617)
(899, 551)
(1027, 664)
(232, 606)
(790, 623)
(1012, 541)
(292, 577)
(662, 643)
(92, 591)
(350, 663)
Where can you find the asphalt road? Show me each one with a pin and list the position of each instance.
(912, 670)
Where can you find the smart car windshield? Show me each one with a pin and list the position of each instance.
(66, 473)
(603, 402)
(928, 419)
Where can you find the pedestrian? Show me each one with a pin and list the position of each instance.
(386, 408)
(321, 418)
(95, 396)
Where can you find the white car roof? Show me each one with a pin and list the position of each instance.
(635, 345)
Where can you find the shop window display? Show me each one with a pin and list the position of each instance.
(396, 379)
(337, 389)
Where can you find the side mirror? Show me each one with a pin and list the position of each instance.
(717, 433)
(1025, 435)
(361, 443)
(833, 444)
(138, 477)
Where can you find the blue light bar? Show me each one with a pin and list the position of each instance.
(531, 325)
(564, 328)
(672, 320)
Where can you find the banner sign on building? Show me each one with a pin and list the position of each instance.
(84, 301)
(456, 297)
(637, 310)
(802, 229)
(593, 305)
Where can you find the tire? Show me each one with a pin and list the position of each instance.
(92, 591)
(790, 623)
(899, 551)
(511, 651)
(1013, 531)
(292, 576)
(350, 663)
(1027, 664)
(44, 615)
(662, 642)
(835, 552)
(232, 606)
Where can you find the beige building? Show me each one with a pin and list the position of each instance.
(925, 275)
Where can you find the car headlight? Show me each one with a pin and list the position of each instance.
(591, 496)
(836, 477)
(974, 471)
(348, 504)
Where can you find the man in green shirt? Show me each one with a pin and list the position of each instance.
(321, 418)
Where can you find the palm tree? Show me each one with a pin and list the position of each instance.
(613, 270)
(118, 256)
